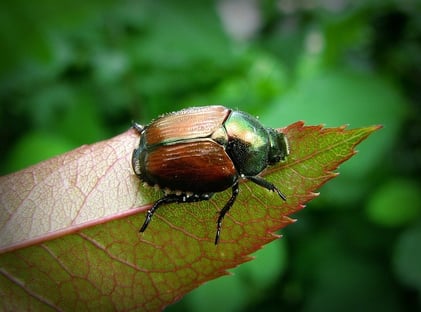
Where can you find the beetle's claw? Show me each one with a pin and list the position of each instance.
(217, 237)
(282, 195)
(149, 215)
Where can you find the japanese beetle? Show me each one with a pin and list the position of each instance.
(198, 151)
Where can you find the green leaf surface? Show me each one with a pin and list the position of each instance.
(69, 225)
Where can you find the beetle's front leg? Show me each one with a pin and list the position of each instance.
(267, 185)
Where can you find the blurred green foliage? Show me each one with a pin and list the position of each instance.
(77, 72)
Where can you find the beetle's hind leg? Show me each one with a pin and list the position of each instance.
(227, 207)
(150, 213)
(172, 198)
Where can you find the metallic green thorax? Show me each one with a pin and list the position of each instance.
(251, 146)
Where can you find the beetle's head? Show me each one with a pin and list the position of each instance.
(279, 148)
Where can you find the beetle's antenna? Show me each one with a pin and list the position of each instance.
(138, 127)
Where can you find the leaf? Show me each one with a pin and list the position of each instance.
(69, 225)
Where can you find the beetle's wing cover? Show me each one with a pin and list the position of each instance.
(187, 124)
(198, 167)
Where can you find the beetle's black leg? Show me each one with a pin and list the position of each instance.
(138, 127)
(164, 200)
(267, 185)
(224, 210)
(173, 198)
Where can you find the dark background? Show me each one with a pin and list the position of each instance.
(77, 72)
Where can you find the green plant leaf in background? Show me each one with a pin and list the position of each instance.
(70, 239)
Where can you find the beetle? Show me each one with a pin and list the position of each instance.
(196, 152)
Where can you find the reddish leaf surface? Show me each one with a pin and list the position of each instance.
(69, 225)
